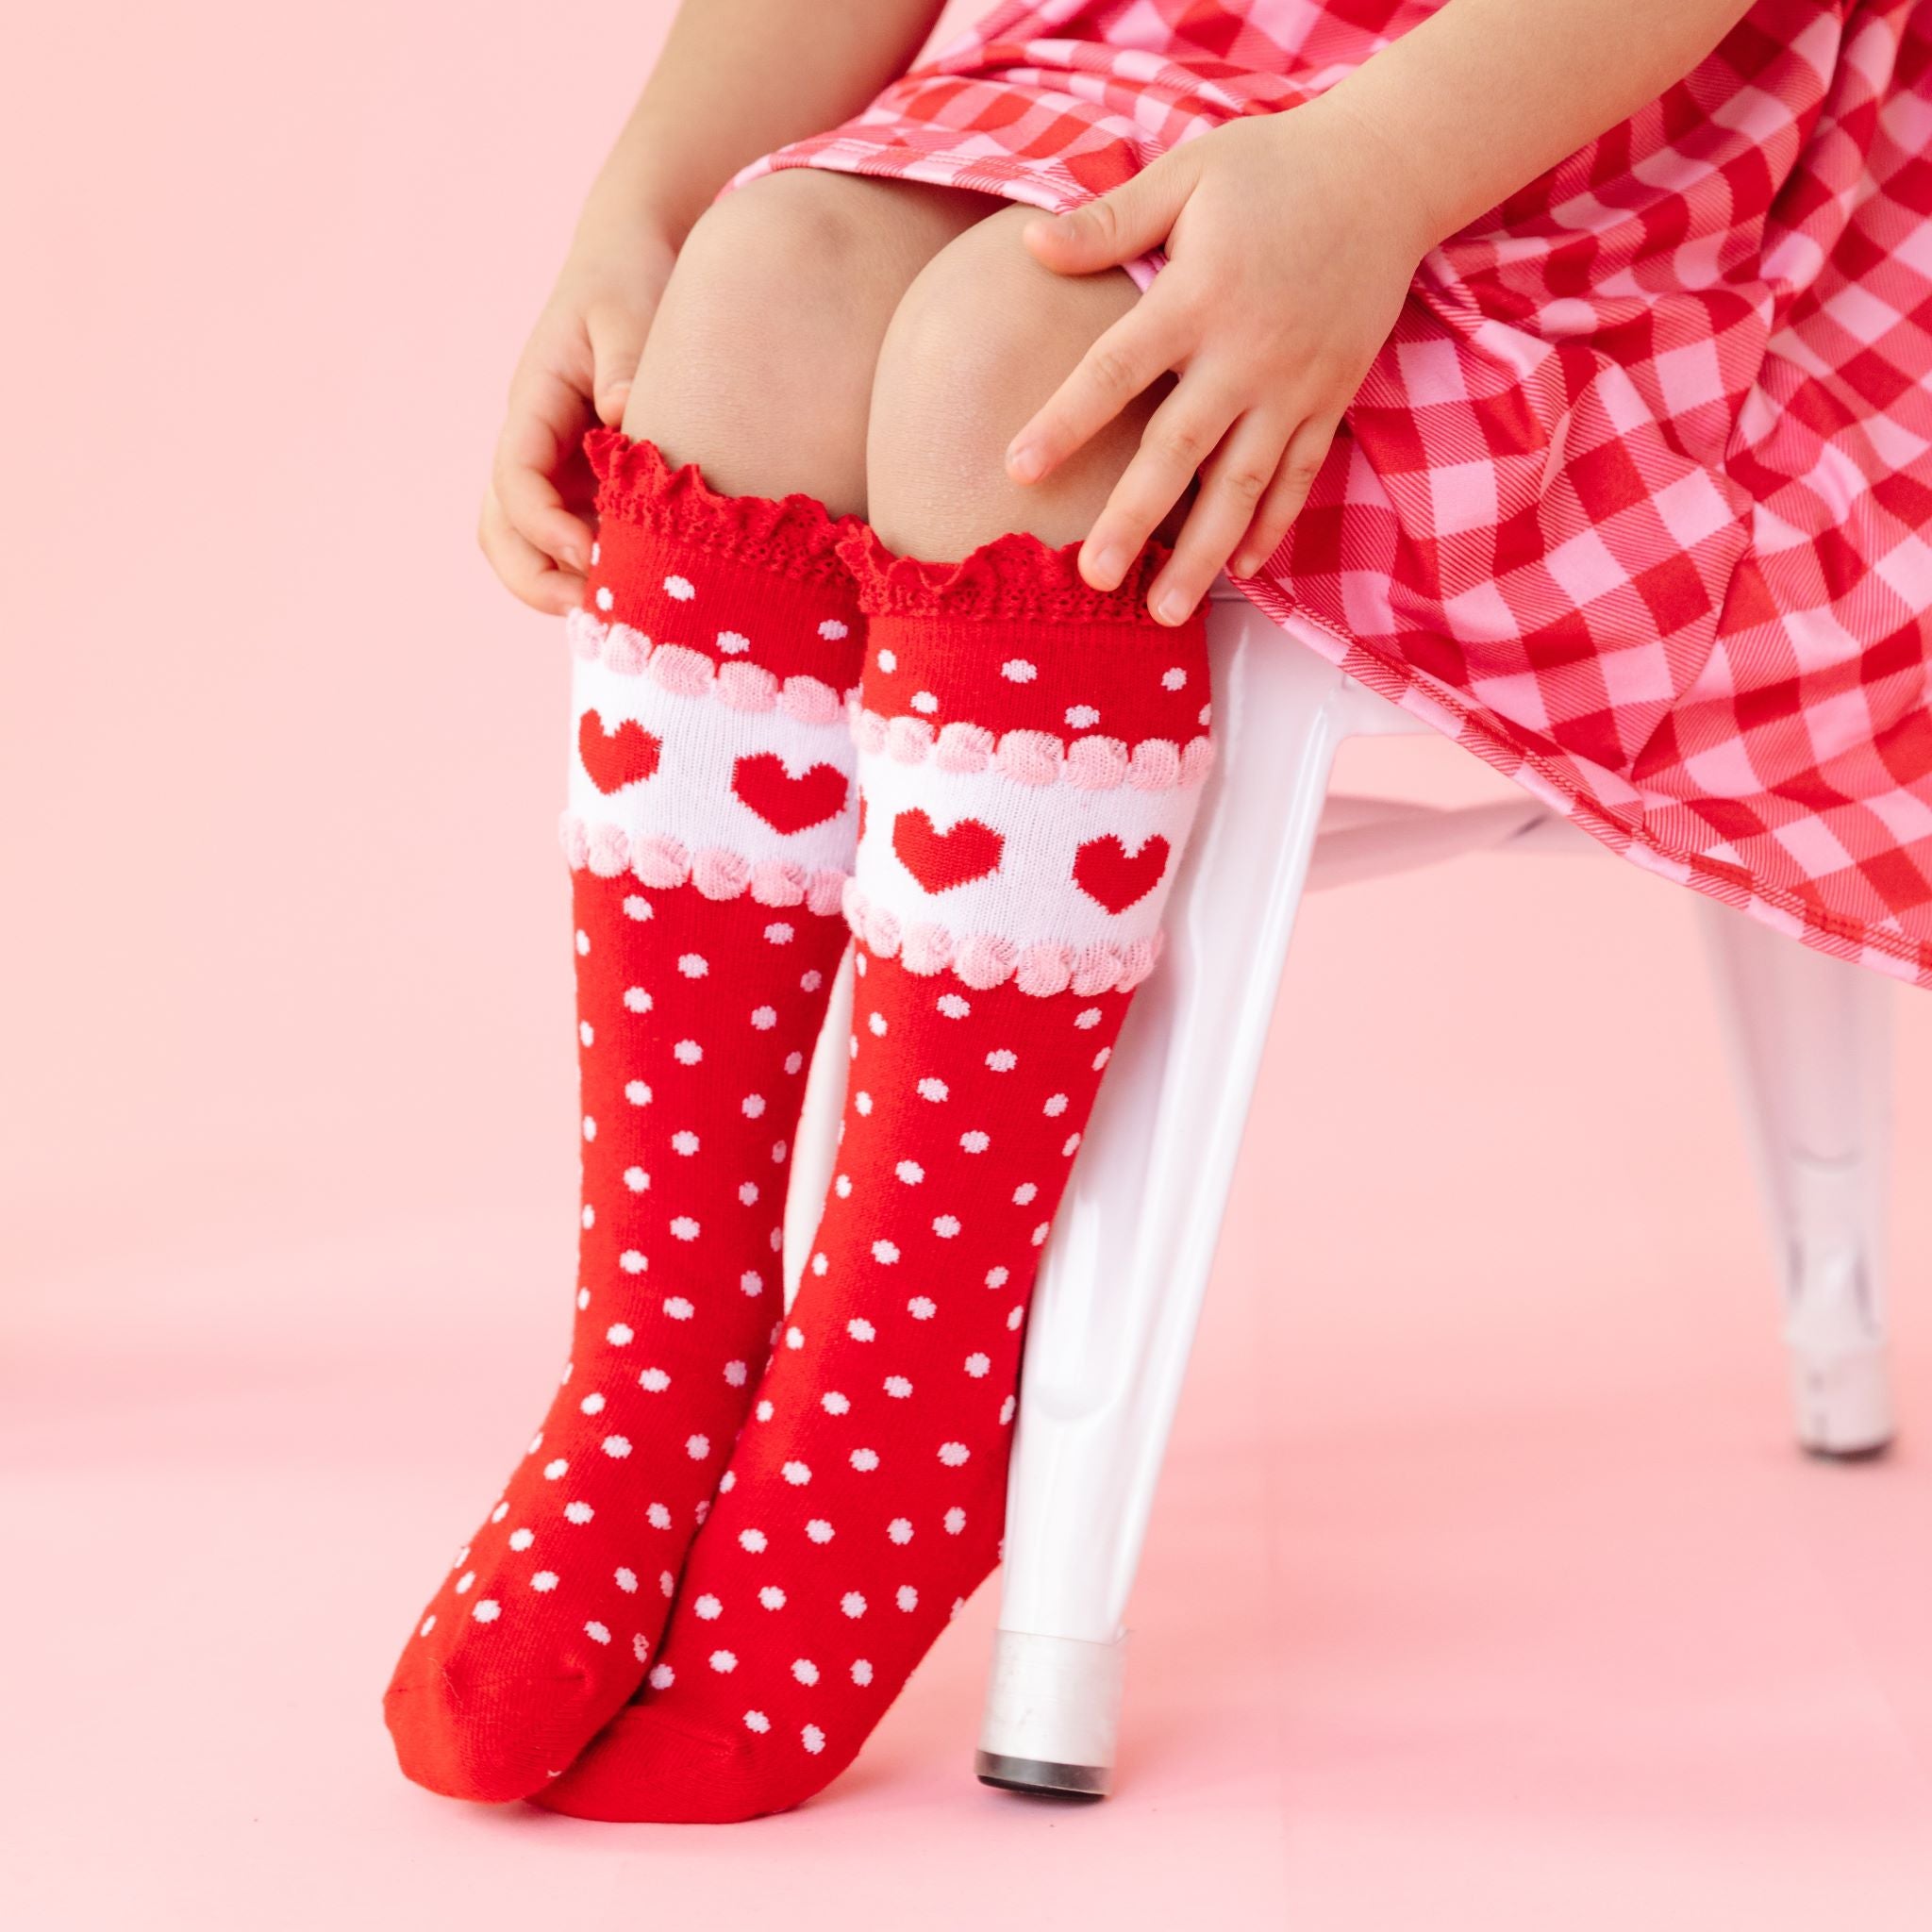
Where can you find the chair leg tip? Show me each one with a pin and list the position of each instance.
(1035, 1777)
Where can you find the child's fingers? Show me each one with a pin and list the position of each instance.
(546, 419)
(1180, 436)
(525, 569)
(1281, 503)
(1118, 225)
(1136, 351)
(617, 345)
(1232, 483)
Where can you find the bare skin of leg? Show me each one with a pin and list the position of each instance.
(760, 363)
(982, 338)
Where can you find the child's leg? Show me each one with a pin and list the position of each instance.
(712, 831)
(1030, 754)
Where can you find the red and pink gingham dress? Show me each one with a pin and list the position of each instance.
(1637, 501)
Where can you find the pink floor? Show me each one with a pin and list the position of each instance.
(1485, 1589)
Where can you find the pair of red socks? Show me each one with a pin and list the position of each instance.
(739, 1528)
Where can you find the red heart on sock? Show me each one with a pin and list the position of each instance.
(788, 803)
(616, 758)
(1112, 876)
(940, 861)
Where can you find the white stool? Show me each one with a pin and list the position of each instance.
(1122, 1280)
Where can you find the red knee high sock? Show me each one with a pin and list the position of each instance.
(1030, 758)
(710, 829)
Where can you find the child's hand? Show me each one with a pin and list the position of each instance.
(575, 369)
(1291, 239)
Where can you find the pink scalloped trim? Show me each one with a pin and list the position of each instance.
(716, 872)
(981, 960)
(1038, 758)
(796, 535)
(1014, 576)
(687, 672)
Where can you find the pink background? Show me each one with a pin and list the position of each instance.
(1486, 1587)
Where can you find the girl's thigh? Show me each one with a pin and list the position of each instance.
(760, 357)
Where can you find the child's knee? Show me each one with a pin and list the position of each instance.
(982, 338)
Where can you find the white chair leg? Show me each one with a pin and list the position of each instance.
(1811, 1051)
(1122, 1280)
(817, 1152)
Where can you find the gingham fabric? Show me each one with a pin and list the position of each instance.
(1634, 503)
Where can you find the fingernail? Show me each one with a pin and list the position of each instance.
(1107, 568)
(1171, 606)
(1025, 464)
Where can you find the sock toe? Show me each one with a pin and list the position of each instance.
(647, 1769)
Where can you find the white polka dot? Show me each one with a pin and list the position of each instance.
(797, 1474)
(780, 933)
(906, 1597)
(596, 1632)
(591, 1403)
(687, 1053)
(748, 1192)
(876, 1025)
(922, 1308)
(587, 1033)
(954, 1454)
(924, 703)
(590, 1128)
(885, 1252)
(1019, 671)
(640, 1645)
(487, 1610)
(954, 1006)
(636, 1179)
(618, 1334)
(804, 1669)
(757, 1721)
(693, 965)
(708, 1608)
(864, 1459)
(637, 999)
(596, 554)
(501, 1511)
(545, 1580)
(812, 1739)
(751, 1540)
(946, 1226)
(794, 1336)
(590, 1217)
(833, 630)
(997, 1277)
(861, 1671)
(752, 1106)
(659, 1517)
(764, 1017)
(752, 1282)
(834, 1403)
(851, 1604)
(662, 1676)
(680, 588)
(764, 1411)
(930, 1088)
(1006, 1409)
(736, 1373)
(978, 1364)
(605, 600)
(818, 1530)
(898, 1387)
(552, 1470)
(1089, 1017)
(1101, 1058)
(810, 982)
(465, 1581)
(771, 1597)
(899, 1529)
(955, 1519)
(698, 1447)
(633, 1263)
(1055, 1104)
(975, 1141)
(685, 1228)
(428, 1624)
(678, 1309)
(793, 1062)
(861, 1102)
(583, 945)
(1039, 1234)
(637, 906)
(733, 643)
(1173, 679)
(1025, 1192)
(843, 1187)
(821, 1263)
(1206, 712)
(1070, 1146)
(1082, 716)
(911, 1173)
(579, 1513)
(722, 1661)
(617, 1446)
(656, 1380)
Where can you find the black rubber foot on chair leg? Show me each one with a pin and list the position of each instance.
(1871, 1452)
(1033, 1777)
